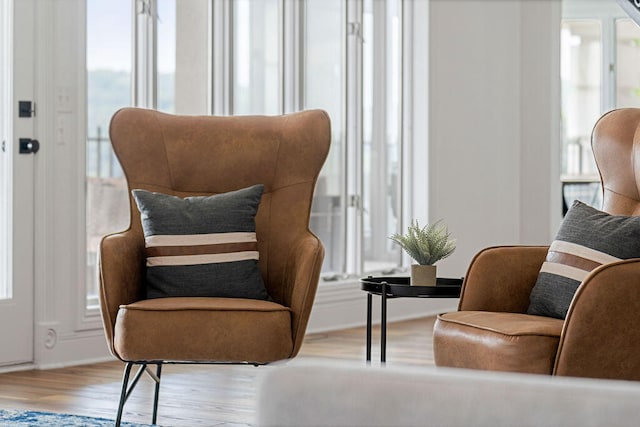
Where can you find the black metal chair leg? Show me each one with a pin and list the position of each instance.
(123, 394)
(128, 388)
(157, 391)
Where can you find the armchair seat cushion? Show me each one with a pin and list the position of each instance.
(164, 329)
(497, 341)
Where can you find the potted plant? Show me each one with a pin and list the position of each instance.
(426, 245)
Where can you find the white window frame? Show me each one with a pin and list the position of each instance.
(144, 70)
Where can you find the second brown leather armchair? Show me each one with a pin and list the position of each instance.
(600, 337)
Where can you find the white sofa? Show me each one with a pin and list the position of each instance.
(321, 393)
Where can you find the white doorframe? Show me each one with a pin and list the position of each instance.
(17, 311)
(5, 164)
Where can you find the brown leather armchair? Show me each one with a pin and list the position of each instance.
(600, 337)
(191, 155)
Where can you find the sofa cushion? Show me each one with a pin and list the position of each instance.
(321, 393)
(587, 239)
(202, 245)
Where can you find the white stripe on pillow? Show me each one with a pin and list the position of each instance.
(198, 239)
(564, 270)
(201, 259)
(582, 252)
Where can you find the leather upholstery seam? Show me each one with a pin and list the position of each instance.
(607, 188)
(527, 334)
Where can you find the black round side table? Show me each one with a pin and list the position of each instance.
(399, 287)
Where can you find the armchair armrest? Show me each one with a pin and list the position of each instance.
(601, 337)
(501, 278)
(302, 275)
(121, 275)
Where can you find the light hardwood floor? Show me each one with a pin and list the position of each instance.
(199, 395)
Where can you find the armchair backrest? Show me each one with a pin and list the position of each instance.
(616, 147)
(204, 155)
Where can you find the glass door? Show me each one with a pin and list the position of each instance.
(16, 181)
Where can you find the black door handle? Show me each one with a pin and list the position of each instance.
(29, 146)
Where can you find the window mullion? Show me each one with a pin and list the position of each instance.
(222, 66)
(608, 65)
(353, 146)
(144, 75)
(292, 58)
(379, 163)
(408, 176)
(152, 72)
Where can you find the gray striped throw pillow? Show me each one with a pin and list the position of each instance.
(202, 245)
(587, 239)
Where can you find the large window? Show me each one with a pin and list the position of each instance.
(600, 51)
(131, 60)
(581, 92)
(262, 57)
(109, 70)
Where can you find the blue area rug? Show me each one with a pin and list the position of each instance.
(36, 418)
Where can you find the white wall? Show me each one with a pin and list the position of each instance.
(540, 129)
(493, 123)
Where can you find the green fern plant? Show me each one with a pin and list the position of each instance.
(426, 245)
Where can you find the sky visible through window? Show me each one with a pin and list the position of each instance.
(109, 35)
